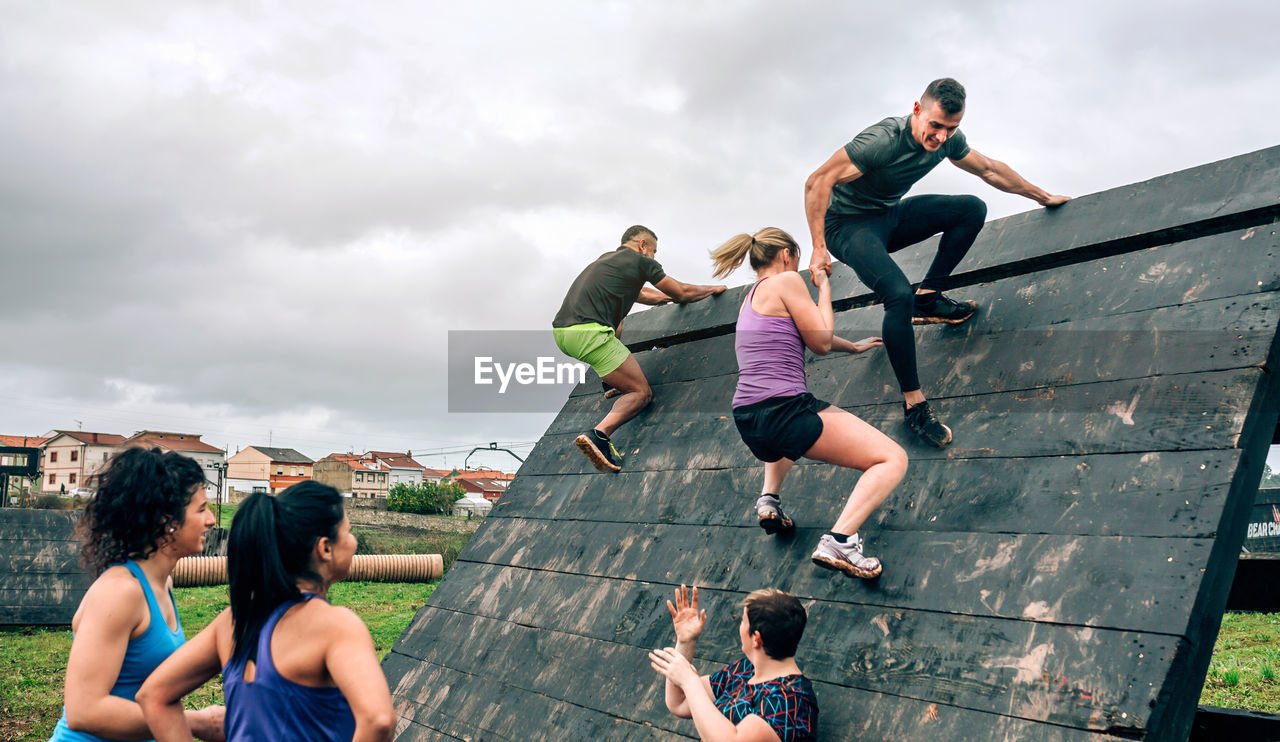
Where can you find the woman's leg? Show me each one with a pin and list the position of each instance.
(849, 442)
(774, 473)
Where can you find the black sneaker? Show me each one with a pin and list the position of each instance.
(600, 451)
(934, 308)
(922, 422)
(770, 516)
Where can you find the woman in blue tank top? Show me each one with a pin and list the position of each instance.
(149, 512)
(294, 667)
(779, 420)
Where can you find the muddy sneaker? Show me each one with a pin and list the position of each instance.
(934, 308)
(600, 451)
(846, 557)
(922, 422)
(770, 516)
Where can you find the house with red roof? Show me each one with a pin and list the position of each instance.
(273, 469)
(209, 457)
(72, 458)
(351, 474)
(400, 467)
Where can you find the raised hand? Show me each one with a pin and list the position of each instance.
(685, 616)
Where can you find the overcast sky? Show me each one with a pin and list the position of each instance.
(259, 221)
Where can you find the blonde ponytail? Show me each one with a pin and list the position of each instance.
(763, 247)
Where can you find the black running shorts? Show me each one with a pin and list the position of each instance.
(780, 427)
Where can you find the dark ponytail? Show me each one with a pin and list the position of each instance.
(269, 550)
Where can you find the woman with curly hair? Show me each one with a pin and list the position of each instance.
(150, 511)
(294, 667)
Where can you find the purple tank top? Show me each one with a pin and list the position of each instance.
(276, 708)
(770, 355)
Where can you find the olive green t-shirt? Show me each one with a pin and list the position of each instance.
(605, 290)
(891, 161)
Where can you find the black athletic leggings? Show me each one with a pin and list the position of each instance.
(864, 242)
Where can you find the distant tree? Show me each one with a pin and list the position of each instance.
(1269, 478)
(427, 498)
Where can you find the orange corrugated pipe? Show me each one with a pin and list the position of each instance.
(194, 571)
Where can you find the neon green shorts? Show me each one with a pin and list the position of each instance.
(594, 344)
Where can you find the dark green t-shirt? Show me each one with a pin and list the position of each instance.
(605, 290)
(891, 161)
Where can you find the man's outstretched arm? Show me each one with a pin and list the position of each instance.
(817, 196)
(652, 297)
(1003, 177)
(684, 293)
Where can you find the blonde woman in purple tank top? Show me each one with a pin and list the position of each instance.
(778, 418)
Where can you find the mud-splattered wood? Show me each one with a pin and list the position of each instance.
(471, 706)
(1165, 413)
(41, 581)
(1058, 572)
(1022, 672)
(1137, 494)
(1107, 581)
(1214, 335)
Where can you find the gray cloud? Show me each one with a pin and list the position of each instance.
(241, 218)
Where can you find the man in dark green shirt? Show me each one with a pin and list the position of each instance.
(586, 328)
(855, 210)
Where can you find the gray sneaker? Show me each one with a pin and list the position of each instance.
(846, 557)
(770, 516)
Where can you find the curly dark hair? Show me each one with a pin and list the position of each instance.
(141, 493)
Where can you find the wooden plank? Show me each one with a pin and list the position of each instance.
(1214, 724)
(1115, 582)
(1165, 413)
(1136, 494)
(473, 706)
(1214, 335)
(1174, 719)
(1121, 220)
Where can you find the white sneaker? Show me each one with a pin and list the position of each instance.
(846, 557)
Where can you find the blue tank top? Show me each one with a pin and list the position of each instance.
(143, 655)
(770, 355)
(275, 708)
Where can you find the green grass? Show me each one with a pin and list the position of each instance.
(33, 660)
(1242, 673)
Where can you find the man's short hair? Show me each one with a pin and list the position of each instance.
(780, 619)
(947, 93)
(636, 231)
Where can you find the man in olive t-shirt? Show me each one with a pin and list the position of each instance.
(586, 328)
(855, 210)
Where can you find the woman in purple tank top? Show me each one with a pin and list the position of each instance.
(779, 419)
(294, 667)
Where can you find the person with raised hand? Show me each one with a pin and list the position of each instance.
(762, 697)
(294, 667)
(149, 511)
